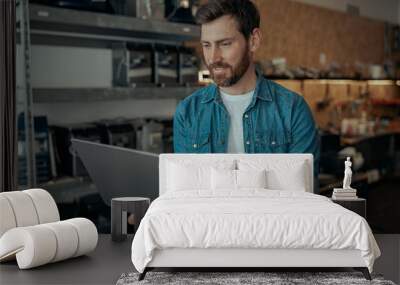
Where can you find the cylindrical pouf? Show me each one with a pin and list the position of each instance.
(120, 207)
(7, 218)
(67, 239)
(33, 246)
(45, 205)
(23, 208)
(40, 244)
(87, 235)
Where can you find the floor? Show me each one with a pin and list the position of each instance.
(389, 262)
(103, 266)
(110, 260)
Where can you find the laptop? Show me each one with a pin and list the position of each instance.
(118, 171)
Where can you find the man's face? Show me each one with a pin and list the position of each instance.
(226, 51)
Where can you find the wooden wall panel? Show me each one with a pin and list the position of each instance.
(339, 90)
(293, 85)
(384, 92)
(314, 92)
(357, 88)
(300, 32)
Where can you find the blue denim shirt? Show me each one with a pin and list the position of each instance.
(277, 120)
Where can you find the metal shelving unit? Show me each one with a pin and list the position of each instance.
(59, 95)
(26, 152)
(44, 25)
(49, 23)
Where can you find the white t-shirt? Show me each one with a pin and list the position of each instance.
(236, 105)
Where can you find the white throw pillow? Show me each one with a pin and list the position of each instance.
(223, 179)
(251, 178)
(191, 174)
(281, 174)
(237, 179)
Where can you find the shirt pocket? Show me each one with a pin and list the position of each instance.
(200, 143)
(266, 142)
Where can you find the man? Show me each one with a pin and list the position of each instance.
(242, 112)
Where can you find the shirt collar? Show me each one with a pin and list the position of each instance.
(262, 91)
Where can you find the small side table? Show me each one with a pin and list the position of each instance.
(120, 207)
(358, 206)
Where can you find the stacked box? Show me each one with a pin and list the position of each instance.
(166, 65)
(116, 133)
(188, 67)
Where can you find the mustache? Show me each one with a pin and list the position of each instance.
(218, 64)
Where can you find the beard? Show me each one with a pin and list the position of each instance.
(237, 72)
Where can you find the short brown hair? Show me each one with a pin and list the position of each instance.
(243, 11)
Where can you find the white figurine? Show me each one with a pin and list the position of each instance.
(347, 174)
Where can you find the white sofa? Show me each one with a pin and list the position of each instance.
(31, 231)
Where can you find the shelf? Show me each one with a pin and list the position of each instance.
(52, 22)
(65, 95)
(386, 102)
(339, 81)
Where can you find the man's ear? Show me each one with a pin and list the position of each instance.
(255, 40)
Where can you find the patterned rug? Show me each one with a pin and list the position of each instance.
(243, 278)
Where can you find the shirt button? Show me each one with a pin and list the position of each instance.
(246, 116)
(273, 142)
(195, 145)
(247, 142)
